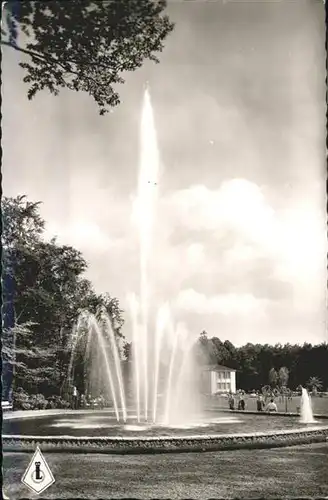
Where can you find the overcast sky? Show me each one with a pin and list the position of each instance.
(239, 104)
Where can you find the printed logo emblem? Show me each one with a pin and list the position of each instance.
(38, 477)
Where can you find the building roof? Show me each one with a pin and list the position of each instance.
(219, 368)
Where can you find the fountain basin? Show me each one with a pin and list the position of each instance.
(90, 431)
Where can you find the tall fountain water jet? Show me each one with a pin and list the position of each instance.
(101, 358)
(117, 363)
(175, 335)
(161, 356)
(133, 303)
(73, 343)
(163, 318)
(158, 353)
(185, 397)
(72, 347)
(144, 211)
(306, 408)
(93, 324)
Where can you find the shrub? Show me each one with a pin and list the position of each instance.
(38, 402)
(24, 401)
(57, 402)
(21, 400)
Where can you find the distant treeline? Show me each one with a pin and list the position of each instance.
(256, 364)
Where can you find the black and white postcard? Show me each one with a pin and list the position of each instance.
(164, 249)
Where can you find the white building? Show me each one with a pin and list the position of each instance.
(218, 379)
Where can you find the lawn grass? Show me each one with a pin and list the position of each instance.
(276, 473)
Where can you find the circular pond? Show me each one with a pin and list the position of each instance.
(99, 432)
(104, 424)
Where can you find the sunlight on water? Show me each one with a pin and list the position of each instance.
(136, 427)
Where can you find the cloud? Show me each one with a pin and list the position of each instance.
(227, 304)
(224, 237)
(238, 205)
(235, 257)
(81, 234)
(195, 254)
(243, 228)
(223, 244)
(249, 264)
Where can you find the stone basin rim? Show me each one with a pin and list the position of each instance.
(195, 437)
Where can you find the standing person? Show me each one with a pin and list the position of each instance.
(74, 397)
(260, 402)
(290, 395)
(231, 402)
(242, 402)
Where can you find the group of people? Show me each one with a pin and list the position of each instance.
(85, 401)
(240, 399)
(260, 403)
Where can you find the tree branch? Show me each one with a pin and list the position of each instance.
(43, 57)
(49, 60)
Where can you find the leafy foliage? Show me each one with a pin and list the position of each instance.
(85, 45)
(127, 351)
(268, 366)
(283, 376)
(314, 383)
(44, 291)
(273, 377)
(25, 401)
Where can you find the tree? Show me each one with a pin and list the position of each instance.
(232, 354)
(248, 374)
(273, 377)
(314, 384)
(203, 338)
(219, 352)
(9, 355)
(127, 350)
(22, 223)
(283, 376)
(298, 363)
(47, 292)
(84, 45)
(22, 226)
(112, 308)
(206, 352)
